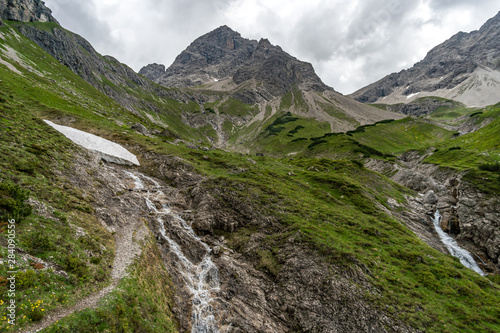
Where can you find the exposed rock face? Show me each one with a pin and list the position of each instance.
(479, 220)
(223, 54)
(25, 11)
(463, 59)
(210, 57)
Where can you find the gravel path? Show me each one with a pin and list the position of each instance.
(130, 231)
(127, 250)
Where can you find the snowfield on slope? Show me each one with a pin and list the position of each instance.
(108, 150)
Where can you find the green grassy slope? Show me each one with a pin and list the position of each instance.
(477, 152)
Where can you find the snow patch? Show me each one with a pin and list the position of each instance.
(412, 95)
(108, 150)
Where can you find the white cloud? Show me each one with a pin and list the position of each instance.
(351, 43)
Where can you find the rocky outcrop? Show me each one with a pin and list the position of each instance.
(305, 294)
(466, 57)
(479, 220)
(211, 57)
(25, 11)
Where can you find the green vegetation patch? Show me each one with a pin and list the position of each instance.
(142, 302)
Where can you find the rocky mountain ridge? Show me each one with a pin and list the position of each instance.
(223, 54)
(465, 68)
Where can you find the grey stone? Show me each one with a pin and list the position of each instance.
(224, 54)
(430, 198)
(141, 129)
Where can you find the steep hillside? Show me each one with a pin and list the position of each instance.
(465, 68)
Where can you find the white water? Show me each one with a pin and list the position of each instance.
(202, 279)
(452, 246)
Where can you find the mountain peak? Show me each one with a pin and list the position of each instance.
(224, 54)
(25, 11)
(492, 22)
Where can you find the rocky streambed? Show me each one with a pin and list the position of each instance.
(471, 217)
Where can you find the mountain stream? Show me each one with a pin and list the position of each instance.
(452, 246)
(201, 278)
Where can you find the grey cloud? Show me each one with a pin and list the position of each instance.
(361, 46)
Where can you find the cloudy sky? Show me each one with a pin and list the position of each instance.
(351, 43)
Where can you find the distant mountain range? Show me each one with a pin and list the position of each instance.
(465, 68)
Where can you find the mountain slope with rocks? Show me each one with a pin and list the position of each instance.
(465, 68)
(300, 237)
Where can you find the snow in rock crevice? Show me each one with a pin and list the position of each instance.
(108, 150)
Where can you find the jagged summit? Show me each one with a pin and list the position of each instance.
(209, 58)
(223, 54)
(25, 11)
(465, 68)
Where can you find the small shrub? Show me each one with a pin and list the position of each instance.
(295, 130)
(268, 262)
(96, 260)
(36, 314)
(39, 242)
(13, 202)
(26, 166)
(315, 143)
(76, 266)
(36, 265)
(26, 279)
(358, 163)
(299, 139)
(101, 274)
(3, 281)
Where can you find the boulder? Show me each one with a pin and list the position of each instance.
(141, 129)
(430, 198)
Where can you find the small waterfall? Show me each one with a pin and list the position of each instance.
(452, 246)
(202, 279)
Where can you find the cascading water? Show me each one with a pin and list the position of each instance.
(452, 246)
(201, 278)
